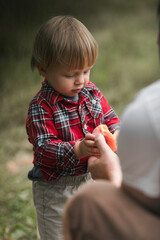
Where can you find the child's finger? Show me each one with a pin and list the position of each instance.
(90, 143)
(90, 136)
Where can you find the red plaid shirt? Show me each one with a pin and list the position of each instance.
(54, 123)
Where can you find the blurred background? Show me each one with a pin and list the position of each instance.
(128, 60)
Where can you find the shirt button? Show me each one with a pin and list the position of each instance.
(94, 101)
(85, 126)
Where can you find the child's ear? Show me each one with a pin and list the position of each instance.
(41, 70)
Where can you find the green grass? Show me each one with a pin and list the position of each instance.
(17, 218)
(127, 61)
(17, 214)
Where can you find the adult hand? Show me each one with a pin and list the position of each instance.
(107, 165)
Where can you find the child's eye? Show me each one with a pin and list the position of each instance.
(75, 74)
(86, 72)
(69, 76)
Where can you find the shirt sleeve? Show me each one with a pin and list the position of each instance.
(110, 117)
(49, 150)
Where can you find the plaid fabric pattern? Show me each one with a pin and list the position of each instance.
(54, 123)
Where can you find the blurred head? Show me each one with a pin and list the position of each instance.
(64, 41)
(66, 223)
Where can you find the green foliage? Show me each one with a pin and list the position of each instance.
(17, 218)
(126, 32)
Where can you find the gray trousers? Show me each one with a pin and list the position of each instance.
(49, 200)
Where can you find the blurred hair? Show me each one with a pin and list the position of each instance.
(64, 40)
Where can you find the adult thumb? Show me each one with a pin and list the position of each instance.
(101, 143)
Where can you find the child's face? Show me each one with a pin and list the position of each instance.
(67, 83)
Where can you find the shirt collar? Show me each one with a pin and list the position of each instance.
(50, 94)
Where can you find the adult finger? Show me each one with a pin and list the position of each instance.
(101, 143)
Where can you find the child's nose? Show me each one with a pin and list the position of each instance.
(79, 79)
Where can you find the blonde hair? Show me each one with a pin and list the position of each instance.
(64, 40)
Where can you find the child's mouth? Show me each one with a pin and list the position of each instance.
(77, 90)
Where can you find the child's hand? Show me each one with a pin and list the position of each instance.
(86, 147)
